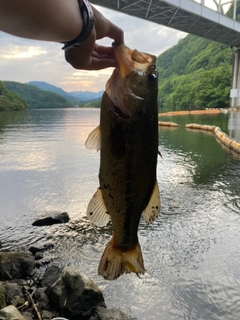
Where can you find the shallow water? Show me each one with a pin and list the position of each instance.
(192, 251)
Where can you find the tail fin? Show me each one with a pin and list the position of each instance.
(115, 262)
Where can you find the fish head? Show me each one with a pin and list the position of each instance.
(133, 83)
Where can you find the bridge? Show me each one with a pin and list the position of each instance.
(194, 17)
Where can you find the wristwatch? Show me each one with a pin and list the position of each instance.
(88, 22)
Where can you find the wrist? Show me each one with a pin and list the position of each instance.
(87, 25)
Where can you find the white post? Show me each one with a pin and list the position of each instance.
(235, 10)
(235, 91)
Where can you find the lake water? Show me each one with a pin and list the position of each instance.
(192, 251)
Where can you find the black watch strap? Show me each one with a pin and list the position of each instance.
(88, 22)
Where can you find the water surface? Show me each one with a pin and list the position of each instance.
(192, 251)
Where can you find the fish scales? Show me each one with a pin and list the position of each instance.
(129, 148)
(128, 169)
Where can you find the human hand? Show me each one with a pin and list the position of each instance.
(90, 55)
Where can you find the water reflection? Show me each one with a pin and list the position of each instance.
(234, 125)
(191, 252)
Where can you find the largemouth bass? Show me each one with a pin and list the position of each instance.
(128, 140)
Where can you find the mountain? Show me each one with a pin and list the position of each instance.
(10, 101)
(195, 73)
(79, 96)
(36, 98)
(86, 95)
(48, 87)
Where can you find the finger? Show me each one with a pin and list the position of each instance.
(115, 33)
(103, 50)
(98, 64)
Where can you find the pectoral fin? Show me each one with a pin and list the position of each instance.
(152, 210)
(94, 139)
(96, 210)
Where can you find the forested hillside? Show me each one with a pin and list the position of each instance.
(37, 98)
(9, 101)
(195, 73)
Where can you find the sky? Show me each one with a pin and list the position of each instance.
(24, 60)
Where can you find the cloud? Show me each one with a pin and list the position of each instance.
(25, 60)
(18, 52)
(85, 80)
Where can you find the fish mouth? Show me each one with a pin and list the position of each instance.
(127, 87)
(129, 60)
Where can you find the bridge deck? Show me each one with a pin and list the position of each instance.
(188, 16)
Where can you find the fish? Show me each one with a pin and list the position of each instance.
(128, 141)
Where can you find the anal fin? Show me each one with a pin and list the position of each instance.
(152, 210)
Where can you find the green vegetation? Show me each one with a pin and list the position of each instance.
(196, 73)
(37, 98)
(92, 104)
(9, 101)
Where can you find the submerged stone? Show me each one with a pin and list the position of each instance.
(52, 219)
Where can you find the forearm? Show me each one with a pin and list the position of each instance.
(49, 20)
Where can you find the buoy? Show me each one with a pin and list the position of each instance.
(167, 124)
(221, 136)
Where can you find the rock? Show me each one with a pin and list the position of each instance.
(75, 295)
(2, 296)
(42, 299)
(16, 265)
(47, 315)
(42, 262)
(28, 314)
(53, 219)
(14, 294)
(110, 314)
(38, 256)
(42, 248)
(51, 275)
(10, 313)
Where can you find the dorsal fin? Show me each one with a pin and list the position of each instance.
(152, 210)
(96, 210)
(94, 139)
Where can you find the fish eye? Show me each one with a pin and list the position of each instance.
(152, 77)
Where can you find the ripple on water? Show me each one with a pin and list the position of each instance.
(191, 251)
(233, 204)
(207, 297)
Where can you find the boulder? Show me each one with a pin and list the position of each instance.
(52, 219)
(14, 295)
(74, 295)
(10, 313)
(51, 275)
(16, 265)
